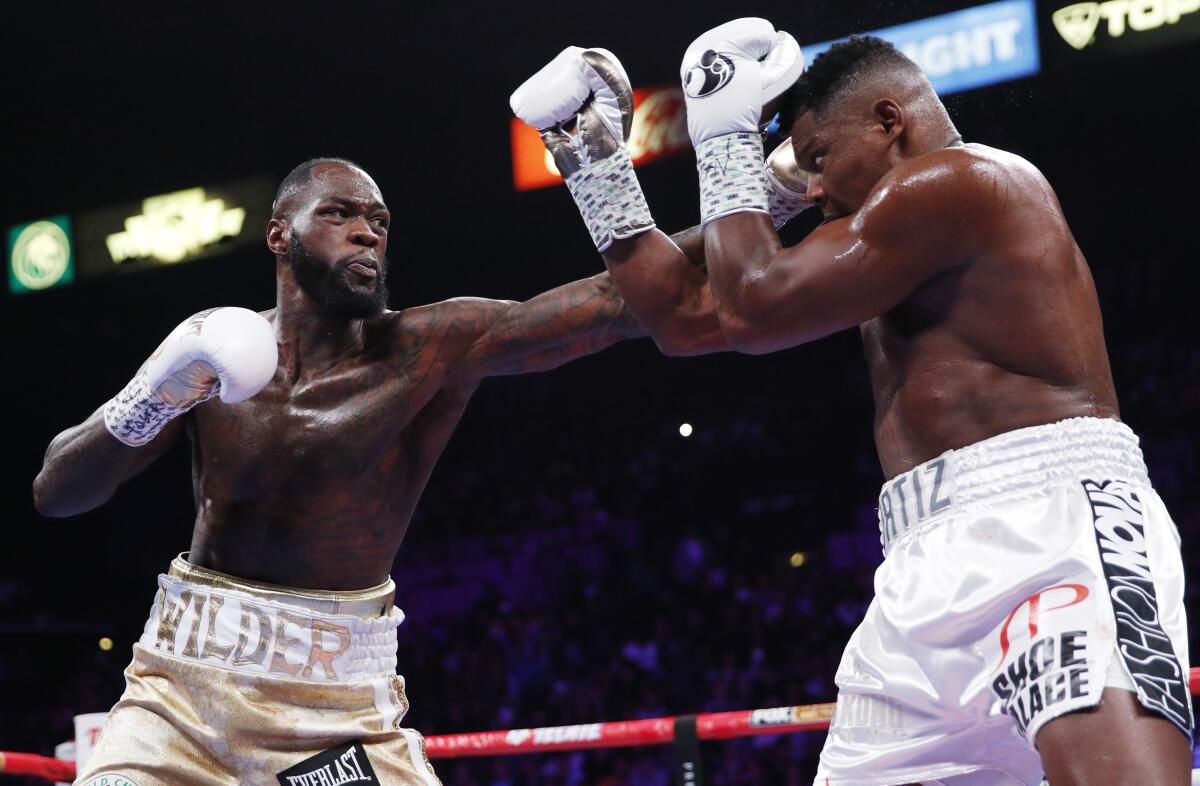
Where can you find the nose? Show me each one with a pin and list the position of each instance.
(816, 193)
(362, 233)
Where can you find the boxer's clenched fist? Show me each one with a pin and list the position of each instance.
(581, 90)
(732, 72)
(228, 352)
(581, 103)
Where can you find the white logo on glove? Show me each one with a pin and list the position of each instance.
(710, 74)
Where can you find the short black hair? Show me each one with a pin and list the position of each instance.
(301, 176)
(838, 68)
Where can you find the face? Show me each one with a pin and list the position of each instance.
(845, 153)
(338, 242)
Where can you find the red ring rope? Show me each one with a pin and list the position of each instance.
(615, 734)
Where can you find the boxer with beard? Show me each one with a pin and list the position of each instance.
(269, 655)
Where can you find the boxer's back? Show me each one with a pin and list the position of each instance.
(1011, 337)
(312, 482)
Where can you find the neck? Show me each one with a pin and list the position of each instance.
(308, 339)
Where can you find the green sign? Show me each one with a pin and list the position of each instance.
(40, 255)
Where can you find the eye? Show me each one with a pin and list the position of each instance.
(817, 161)
(380, 221)
(336, 211)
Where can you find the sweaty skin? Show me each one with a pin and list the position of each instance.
(313, 481)
(977, 310)
(976, 307)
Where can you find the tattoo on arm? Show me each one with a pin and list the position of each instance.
(548, 330)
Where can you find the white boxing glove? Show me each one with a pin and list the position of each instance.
(729, 75)
(581, 102)
(229, 352)
(732, 72)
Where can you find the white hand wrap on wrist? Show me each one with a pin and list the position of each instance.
(610, 199)
(784, 208)
(731, 175)
(136, 415)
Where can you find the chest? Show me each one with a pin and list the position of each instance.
(342, 424)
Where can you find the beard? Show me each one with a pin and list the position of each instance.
(327, 284)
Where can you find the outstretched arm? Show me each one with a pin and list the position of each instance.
(505, 337)
(665, 283)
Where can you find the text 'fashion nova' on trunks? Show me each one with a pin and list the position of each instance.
(237, 682)
(1022, 575)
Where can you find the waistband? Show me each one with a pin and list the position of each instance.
(1009, 465)
(374, 601)
(217, 620)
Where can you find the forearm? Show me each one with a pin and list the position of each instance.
(664, 281)
(85, 464)
(556, 327)
(739, 250)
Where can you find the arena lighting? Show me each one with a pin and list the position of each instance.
(685, 429)
(40, 255)
(961, 50)
(798, 559)
(174, 226)
(967, 49)
(106, 643)
(1078, 23)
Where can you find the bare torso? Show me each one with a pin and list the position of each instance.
(313, 481)
(1011, 338)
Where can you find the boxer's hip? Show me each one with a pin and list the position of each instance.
(1022, 575)
(237, 682)
(214, 619)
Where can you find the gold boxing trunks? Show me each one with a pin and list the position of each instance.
(236, 683)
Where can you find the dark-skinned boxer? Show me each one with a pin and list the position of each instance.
(269, 656)
(1029, 608)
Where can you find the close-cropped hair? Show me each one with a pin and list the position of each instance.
(838, 68)
(301, 176)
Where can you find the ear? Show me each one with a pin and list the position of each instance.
(279, 236)
(890, 116)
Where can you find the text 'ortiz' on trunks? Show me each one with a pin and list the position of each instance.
(909, 499)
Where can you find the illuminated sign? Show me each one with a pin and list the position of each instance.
(174, 226)
(969, 48)
(958, 51)
(40, 255)
(659, 130)
(1079, 23)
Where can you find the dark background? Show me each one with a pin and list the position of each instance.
(111, 103)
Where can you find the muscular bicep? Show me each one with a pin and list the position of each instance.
(500, 337)
(850, 269)
(665, 283)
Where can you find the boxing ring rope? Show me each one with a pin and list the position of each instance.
(683, 730)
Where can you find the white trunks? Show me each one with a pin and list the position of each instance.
(1022, 575)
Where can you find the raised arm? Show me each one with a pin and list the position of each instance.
(924, 217)
(499, 337)
(665, 283)
(582, 105)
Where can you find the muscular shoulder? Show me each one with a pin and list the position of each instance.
(952, 196)
(448, 328)
(457, 318)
